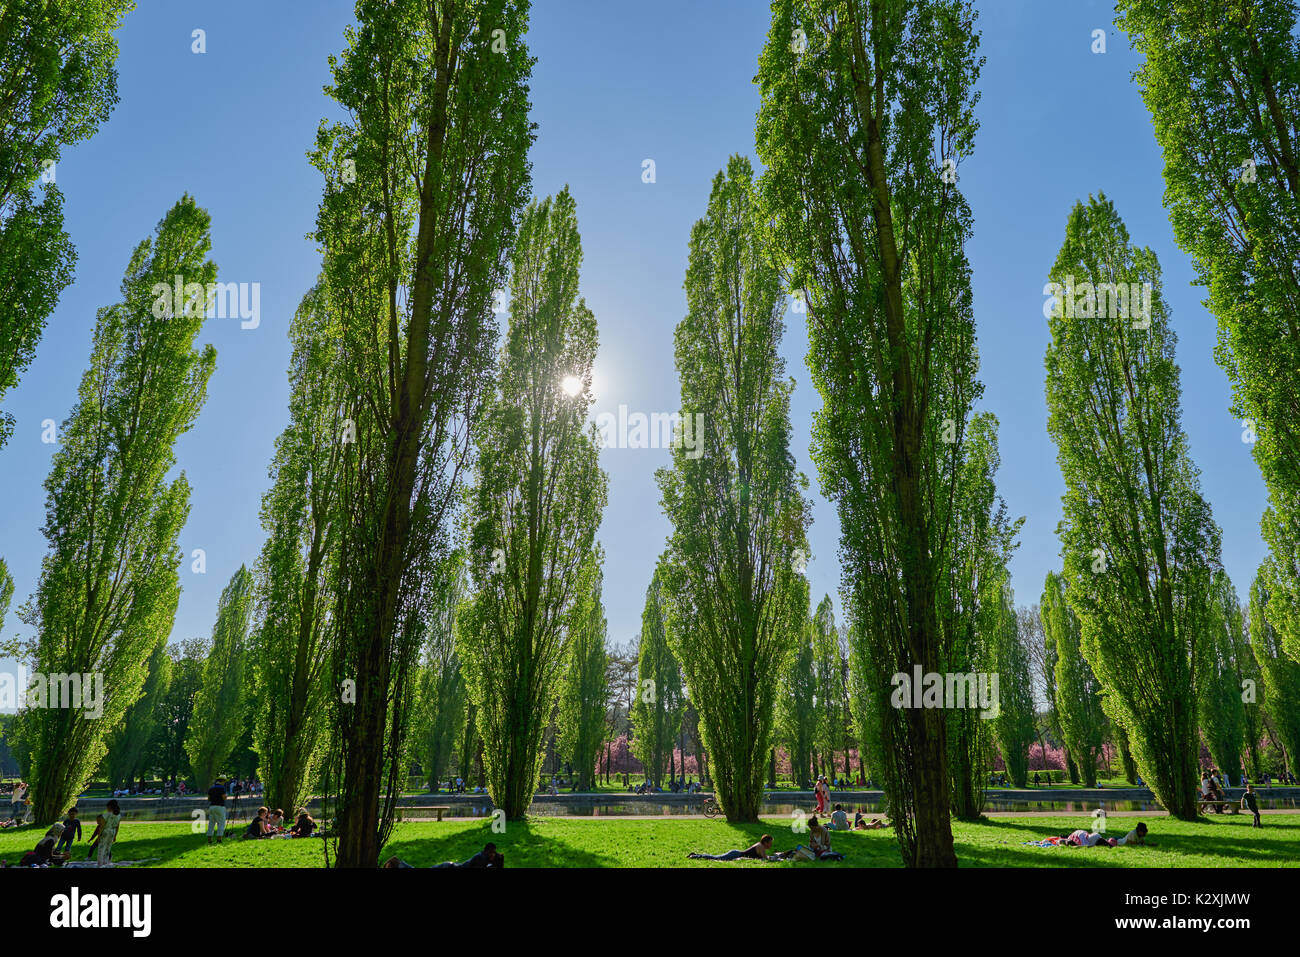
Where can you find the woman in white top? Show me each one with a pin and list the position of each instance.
(108, 834)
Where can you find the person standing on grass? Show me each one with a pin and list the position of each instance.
(71, 830)
(1248, 800)
(217, 809)
(19, 797)
(108, 834)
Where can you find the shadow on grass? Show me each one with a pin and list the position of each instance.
(522, 845)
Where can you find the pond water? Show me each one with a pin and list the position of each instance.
(643, 808)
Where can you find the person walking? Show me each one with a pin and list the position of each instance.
(1248, 800)
(217, 809)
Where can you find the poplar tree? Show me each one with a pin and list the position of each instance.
(1222, 82)
(971, 611)
(735, 501)
(440, 708)
(1078, 694)
(536, 504)
(1280, 674)
(57, 84)
(221, 702)
(867, 108)
(659, 704)
(829, 697)
(425, 179)
(109, 585)
(1138, 539)
(1013, 727)
(585, 688)
(796, 710)
(1218, 688)
(128, 757)
(293, 628)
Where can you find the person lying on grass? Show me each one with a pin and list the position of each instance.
(758, 850)
(1082, 838)
(488, 857)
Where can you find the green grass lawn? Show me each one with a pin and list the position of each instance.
(589, 842)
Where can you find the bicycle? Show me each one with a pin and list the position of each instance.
(711, 807)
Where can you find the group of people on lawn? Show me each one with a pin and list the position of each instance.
(55, 848)
(266, 823)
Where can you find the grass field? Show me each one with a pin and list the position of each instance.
(587, 842)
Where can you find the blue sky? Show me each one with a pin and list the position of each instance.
(616, 83)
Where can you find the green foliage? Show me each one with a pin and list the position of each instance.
(439, 714)
(659, 703)
(296, 576)
(1078, 693)
(735, 502)
(108, 588)
(585, 688)
(972, 612)
(1222, 82)
(425, 181)
(128, 756)
(1218, 684)
(536, 506)
(1138, 539)
(1013, 728)
(796, 709)
(166, 749)
(219, 716)
(1280, 673)
(59, 84)
(861, 128)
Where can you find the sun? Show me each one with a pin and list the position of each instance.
(571, 385)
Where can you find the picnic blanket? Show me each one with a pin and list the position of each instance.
(143, 860)
(1047, 842)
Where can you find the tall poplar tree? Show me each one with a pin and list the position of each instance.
(1280, 674)
(867, 108)
(440, 708)
(1218, 688)
(734, 499)
(796, 709)
(1078, 694)
(57, 84)
(584, 690)
(1222, 82)
(1138, 539)
(109, 586)
(659, 703)
(293, 627)
(537, 503)
(220, 705)
(425, 179)
(128, 757)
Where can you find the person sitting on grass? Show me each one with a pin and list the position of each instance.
(819, 842)
(71, 830)
(257, 826)
(839, 820)
(275, 824)
(44, 854)
(488, 857)
(304, 826)
(758, 851)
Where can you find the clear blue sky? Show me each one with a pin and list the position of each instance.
(615, 83)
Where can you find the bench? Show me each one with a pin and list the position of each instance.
(403, 808)
(1204, 804)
